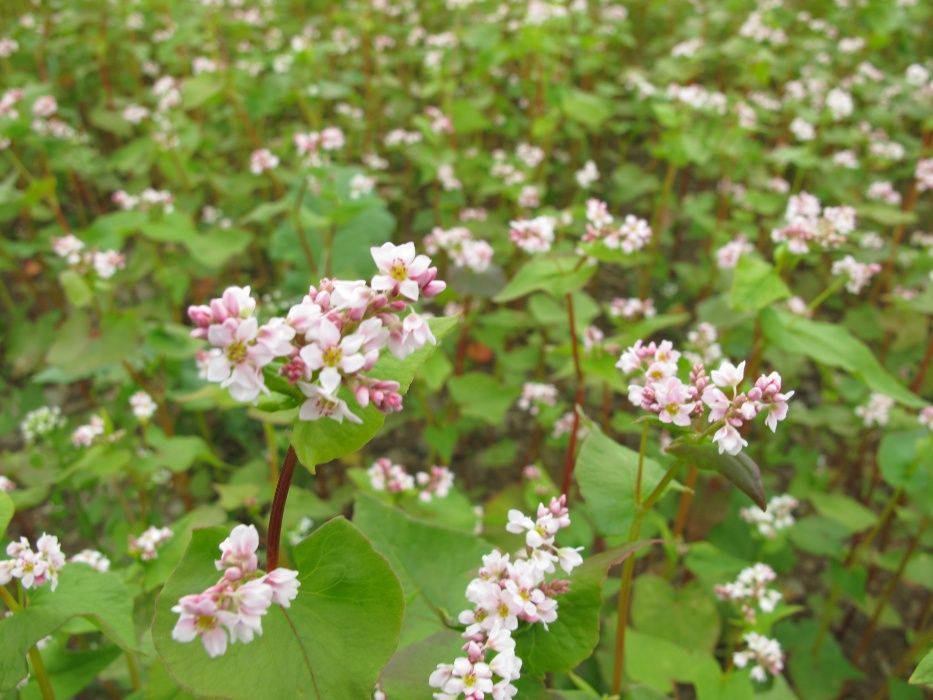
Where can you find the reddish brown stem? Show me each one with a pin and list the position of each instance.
(274, 534)
(577, 399)
(924, 366)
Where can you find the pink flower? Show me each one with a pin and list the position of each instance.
(239, 550)
(333, 354)
(284, 584)
(410, 335)
(262, 160)
(729, 440)
(401, 269)
(238, 367)
(674, 404)
(199, 618)
(322, 401)
(728, 374)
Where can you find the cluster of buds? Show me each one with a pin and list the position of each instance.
(807, 222)
(632, 308)
(33, 568)
(311, 145)
(142, 405)
(330, 339)
(146, 545)
(633, 233)
(678, 403)
(750, 589)
(91, 557)
(857, 274)
(763, 654)
(507, 591)
(40, 422)
(104, 262)
(232, 609)
(394, 478)
(535, 395)
(533, 235)
(84, 435)
(779, 515)
(462, 249)
(146, 200)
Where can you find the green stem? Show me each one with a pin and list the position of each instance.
(628, 567)
(826, 293)
(35, 658)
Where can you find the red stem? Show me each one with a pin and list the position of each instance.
(274, 534)
(577, 399)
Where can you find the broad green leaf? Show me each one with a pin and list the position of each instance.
(6, 512)
(658, 662)
(740, 469)
(199, 89)
(820, 672)
(482, 396)
(555, 274)
(586, 108)
(844, 510)
(329, 645)
(686, 616)
(172, 228)
(903, 458)
(832, 345)
(606, 472)
(431, 561)
(755, 285)
(76, 288)
(572, 638)
(318, 442)
(100, 597)
(216, 248)
(923, 674)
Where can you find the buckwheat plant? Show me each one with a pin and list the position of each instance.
(232, 609)
(509, 591)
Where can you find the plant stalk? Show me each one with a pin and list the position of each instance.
(274, 535)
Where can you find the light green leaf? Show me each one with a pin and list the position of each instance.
(755, 285)
(76, 288)
(844, 510)
(606, 474)
(100, 597)
(686, 616)
(586, 108)
(6, 512)
(832, 345)
(317, 442)
(482, 396)
(555, 274)
(216, 248)
(923, 674)
(329, 645)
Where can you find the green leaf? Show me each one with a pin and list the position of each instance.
(6, 512)
(832, 345)
(606, 472)
(755, 285)
(821, 671)
(329, 645)
(431, 561)
(685, 616)
(923, 674)
(199, 89)
(71, 671)
(844, 510)
(555, 274)
(76, 288)
(572, 638)
(100, 597)
(321, 441)
(740, 469)
(482, 396)
(172, 228)
(586, 108)
(216, 248)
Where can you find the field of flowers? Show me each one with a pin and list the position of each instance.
(537, 349)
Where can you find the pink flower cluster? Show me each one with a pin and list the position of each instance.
(311, 144)
(33, 568)
(678, 403)
(508, 591)
(84, 435)
(146, 545)
(330, 339)
(234, 606)
(808, 223)
(750, 589)
(764, 654)
(633, 234)
(460, 246)
(104, 262)
(857, 274)
(631, 308)
(149, 198)
(535, 395)
(533, 235)
(384, 475)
